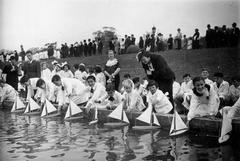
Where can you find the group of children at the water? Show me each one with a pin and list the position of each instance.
(199, 97)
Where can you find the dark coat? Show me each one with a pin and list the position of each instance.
(162, 71)
(32, 70)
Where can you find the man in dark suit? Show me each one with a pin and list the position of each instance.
(157, 69)
(31, 68)
(11, 73)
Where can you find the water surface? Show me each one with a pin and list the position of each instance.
(33, 138)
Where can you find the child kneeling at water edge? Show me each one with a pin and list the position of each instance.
(159, 101)
(132, 100)
(111, 99)
(204, 100)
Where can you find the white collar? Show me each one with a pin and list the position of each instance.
(112, 62)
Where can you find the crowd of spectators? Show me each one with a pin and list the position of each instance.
(154, 42)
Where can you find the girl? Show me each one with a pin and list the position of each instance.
(82, 75)
(66, 72)
(159, 101)
(204, 99)
(46, 73)
(100, 77)
(132, 100)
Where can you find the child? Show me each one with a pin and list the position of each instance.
(204, 100)
(234, 90)
(100, 77)
(77, 73)
(57, 69)
(112, 98)
(66, 72)
(69, 88)
(205, 75)
(138, 87)
(132, 100)
(46, 72)
(7, 95)
(159, 101)
(47, 90)
(83, 74)
(221, 87)
(127, 77)
(30, 83)
(186, 90)
(95, 91)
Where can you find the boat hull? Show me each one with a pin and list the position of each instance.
(200, 125)
(145, 127)
(73, 118)
(115, 124)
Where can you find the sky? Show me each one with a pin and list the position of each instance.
(34, 23)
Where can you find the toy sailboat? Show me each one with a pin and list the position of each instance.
(148, 117)
(49, 110)
(32, 108)
(18, 106)
(118, 114)
(95, 117)
(178, 126)
(72, 111)
(226, 128)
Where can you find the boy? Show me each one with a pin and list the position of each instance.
(30, 83)
(69, 88)
(205, 75)
(111, 99)
(47, 90)
(95, 91)
(221, 87)
(159, 101)
(234, 90)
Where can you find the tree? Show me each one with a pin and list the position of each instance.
(106, 34)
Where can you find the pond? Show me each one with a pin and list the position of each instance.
(34, 138)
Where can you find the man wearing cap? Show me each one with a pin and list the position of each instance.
(32, 67)
(157, 69)
(11, 73)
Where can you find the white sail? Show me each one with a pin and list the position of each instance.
(33, 105)
(68, 112)
(155, 120)
(117, 113)
(146, 115)
(14, 106)
(27, 108)
(20, 104)
(44, 111)
(177, 126)
(74, 108)
(50, 107)
(226, 128)
(125, 119)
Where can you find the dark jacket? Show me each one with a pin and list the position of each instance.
(162, 71)
(32, 70)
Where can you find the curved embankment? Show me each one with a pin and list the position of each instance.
(226, 60)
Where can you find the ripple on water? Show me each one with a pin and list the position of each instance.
(34, 138)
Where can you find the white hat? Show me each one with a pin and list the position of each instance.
(54, 62)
